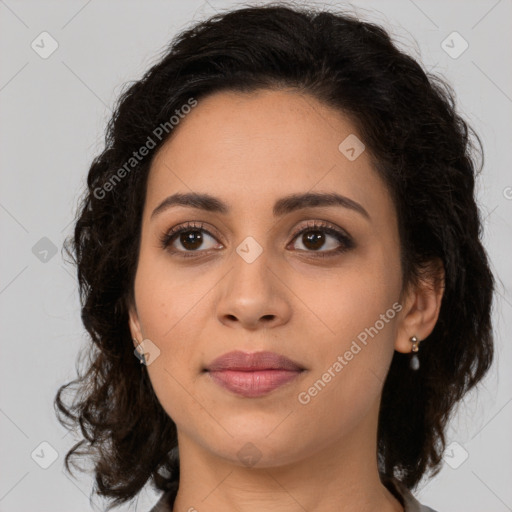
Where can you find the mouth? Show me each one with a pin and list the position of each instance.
(253, 374)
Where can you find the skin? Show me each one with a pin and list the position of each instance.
(250, 150)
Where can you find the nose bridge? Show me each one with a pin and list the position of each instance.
(251, 266)
(252, 235)
(252, 255)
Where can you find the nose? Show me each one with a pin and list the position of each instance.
(253, 296)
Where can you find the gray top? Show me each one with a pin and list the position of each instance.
(399, 490)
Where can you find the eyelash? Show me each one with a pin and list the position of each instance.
(346, 241)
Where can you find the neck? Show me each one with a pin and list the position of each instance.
(341, 476)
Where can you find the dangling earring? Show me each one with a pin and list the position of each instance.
(140, 354)
(415, 362)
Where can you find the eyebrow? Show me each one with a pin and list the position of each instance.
(281, 207)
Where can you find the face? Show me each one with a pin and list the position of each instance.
(317, 283)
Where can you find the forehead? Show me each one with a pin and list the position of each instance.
(251, 148)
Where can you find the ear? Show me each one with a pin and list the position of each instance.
(422, 303)
(135, 327)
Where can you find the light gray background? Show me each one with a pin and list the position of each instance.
(54, 113)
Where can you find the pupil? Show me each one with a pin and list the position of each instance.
(316, 237)
(188, 238)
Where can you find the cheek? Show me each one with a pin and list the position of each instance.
(358, 309)
(350, 365)
(169, 304)
(168, 296)
(349, 299)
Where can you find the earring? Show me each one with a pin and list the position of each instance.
(140, 355)
(415, 362)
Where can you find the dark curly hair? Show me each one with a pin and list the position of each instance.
(419, 145)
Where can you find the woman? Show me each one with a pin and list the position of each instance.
(282, 228)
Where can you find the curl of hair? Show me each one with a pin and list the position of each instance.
(418, 144)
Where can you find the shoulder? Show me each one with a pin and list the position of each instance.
(411, 504)
(166, 501)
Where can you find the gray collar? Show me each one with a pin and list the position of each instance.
(405, 496)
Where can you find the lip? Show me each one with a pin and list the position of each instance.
(253, 361)
(253, 374)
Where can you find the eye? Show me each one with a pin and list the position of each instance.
(314, 236)
(190, 237)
